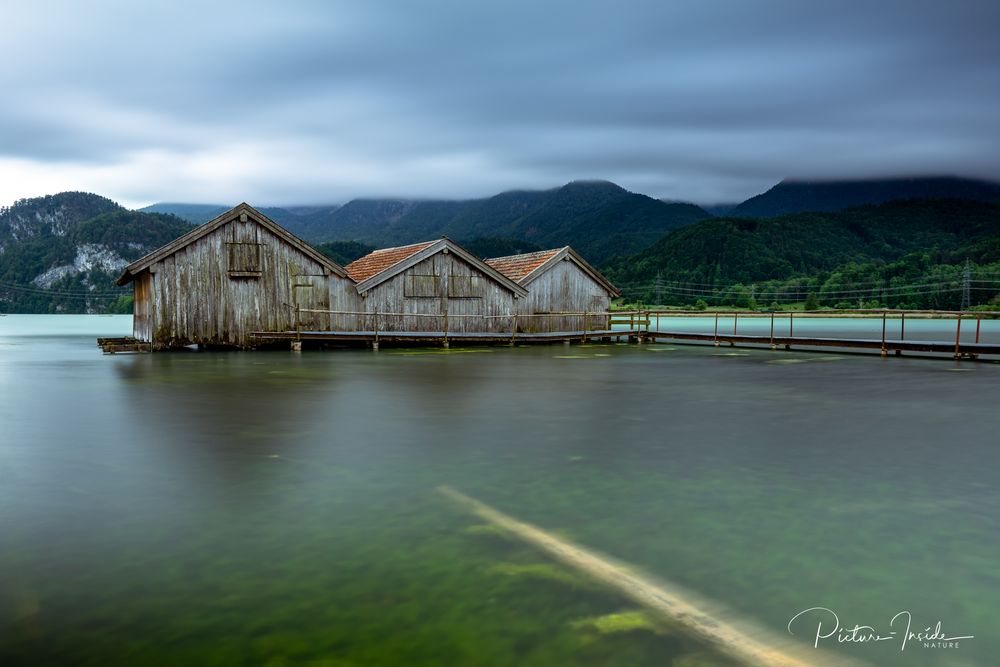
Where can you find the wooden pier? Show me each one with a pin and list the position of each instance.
(123, 344)
(723, 328)
(643, 325)
(885, 344)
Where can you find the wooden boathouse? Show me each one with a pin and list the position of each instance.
(230, 277)
(558, 281)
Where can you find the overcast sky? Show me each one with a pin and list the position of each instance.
(319, 102)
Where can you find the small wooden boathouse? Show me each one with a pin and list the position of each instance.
(558, 281)
(420, 285)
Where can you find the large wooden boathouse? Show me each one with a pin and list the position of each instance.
(228, 278)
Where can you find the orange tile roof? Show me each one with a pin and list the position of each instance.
(376, 262)
(517, 267)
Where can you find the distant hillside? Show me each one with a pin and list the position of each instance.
(909, 242)
(800, 196)
(598, 218)
(196, 214)
(344, 252)
(61, 253)
(293, 218)
(51, 215)
(499, 246)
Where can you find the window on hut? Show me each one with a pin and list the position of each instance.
(464, 287)
(418, 286)
(244, 256)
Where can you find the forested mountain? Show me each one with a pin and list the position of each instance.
(344, 252)
(51, 215)
(62, 253)
(867, 252)
(598, 218)
(792, 196)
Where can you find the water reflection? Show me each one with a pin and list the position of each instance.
(253, 507)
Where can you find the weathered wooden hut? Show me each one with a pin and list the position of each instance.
(433, 286)
(230, 277)
(557, 281)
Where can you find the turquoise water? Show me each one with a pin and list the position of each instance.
(279, 508)
(911, 328)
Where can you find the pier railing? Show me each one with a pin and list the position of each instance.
(778, 335)
(385, 322)
(716, 326)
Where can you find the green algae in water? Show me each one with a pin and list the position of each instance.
(546, 571)
(623, 621)
(487, 530)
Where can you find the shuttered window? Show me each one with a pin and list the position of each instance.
(464, 287)
(417, 286)
(244, 259)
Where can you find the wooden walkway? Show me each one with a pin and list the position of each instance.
(961, 350)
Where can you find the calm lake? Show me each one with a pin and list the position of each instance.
(273, 508)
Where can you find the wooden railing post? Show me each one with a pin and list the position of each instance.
(584, 326)
(958, 336)
(513, 329)
(375, 325)
(446, 327)
(884, 350)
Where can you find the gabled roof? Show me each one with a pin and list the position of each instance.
(529, 266)
(143, 263)
(378, 261)
(517, 267)
(390, 262)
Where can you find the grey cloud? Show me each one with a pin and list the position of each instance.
(694, 100)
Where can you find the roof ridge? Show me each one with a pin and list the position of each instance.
(401, 247)
(528, 254)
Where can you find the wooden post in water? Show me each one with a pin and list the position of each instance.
(772, 329)
(446, 328)
(791, 331)
(979, 321)
(716, 329)
(958, 336)
(902, 326)
(297, 343)
(885, 352)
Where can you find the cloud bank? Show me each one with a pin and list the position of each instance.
(320, 102)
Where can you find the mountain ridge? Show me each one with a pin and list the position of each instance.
(800, 196)
(598, 218)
